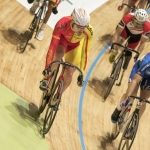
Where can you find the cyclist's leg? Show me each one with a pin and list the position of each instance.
(68, 77)
(144, 93)
(59, 53)
(130, 3)
(40, 34)
(132, 43)
(49, 11)
(73, 56)
(34, 7)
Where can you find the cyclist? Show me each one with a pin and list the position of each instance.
(137, 27)
(72, 38)
(140, 76)
(132, 3)
(52, 7)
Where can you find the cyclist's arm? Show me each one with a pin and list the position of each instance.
(119, 29)
(53, 45)
(117, 34)
(135, 81)
(87, 41)
(124, 1)
(143, 66)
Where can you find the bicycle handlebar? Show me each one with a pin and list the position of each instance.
(131, 7)
(66, 64)
(141, 99)
(126, 48)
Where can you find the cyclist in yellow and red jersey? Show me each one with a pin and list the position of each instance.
(72, 38)
(141, 4)
(137, 27)
(52, 8)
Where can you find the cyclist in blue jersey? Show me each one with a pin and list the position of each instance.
(139, 77)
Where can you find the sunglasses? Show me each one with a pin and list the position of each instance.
(80, 27)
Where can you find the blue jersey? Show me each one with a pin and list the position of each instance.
(142, 67)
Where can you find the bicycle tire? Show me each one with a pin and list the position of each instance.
(116, 72)
(46, 94)
(125, 137)
(30, 1)
(34, 26)
(50, 112)
(32, 30)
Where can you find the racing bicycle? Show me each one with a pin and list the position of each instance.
(128, 123)
(52, 96)
(35, 24)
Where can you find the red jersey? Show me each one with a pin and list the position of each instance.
(63, 29)
(128, 22)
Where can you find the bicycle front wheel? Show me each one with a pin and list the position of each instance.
(114, 77)
(129, 133)
(52, 110)
(46, 94)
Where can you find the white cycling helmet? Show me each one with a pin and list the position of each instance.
(141, 15)
(80, 16)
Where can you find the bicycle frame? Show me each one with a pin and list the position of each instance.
(122, 55)
(122, 121)
(40, 15)
(61, 77)
(128, 124)
(34, 26)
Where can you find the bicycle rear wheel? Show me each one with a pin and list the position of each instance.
(129, 133)
(52, 110)
(114, 77)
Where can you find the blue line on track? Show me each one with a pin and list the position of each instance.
(82, 95)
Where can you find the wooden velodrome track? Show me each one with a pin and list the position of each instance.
(22, 72)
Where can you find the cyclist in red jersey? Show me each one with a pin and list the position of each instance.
(141, 4)
(137, 27)
(72, 38)
(52, 7)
